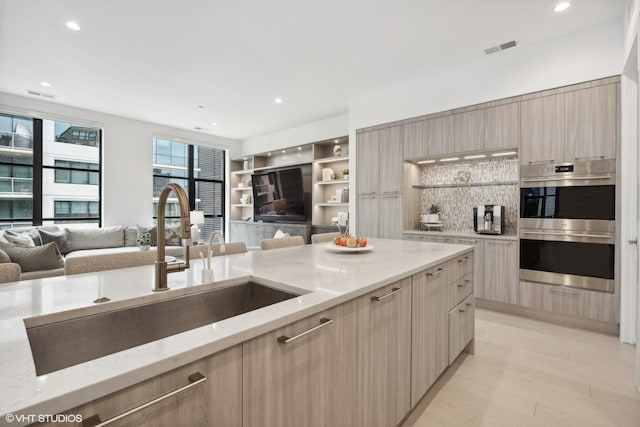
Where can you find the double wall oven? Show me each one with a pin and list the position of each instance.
(567, 224)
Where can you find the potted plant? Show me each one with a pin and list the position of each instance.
(434, 213)
(345, 173)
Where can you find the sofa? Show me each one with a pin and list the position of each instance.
(42, 251)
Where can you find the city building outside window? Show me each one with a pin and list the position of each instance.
(45, 164)
(197, 169)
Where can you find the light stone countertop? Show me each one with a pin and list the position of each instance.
(464, 234)
(324, 278)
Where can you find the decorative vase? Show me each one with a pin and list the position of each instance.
(433, 217)
(346, 176)
(144, 247)
(337, 151)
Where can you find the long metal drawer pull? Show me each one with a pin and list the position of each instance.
(461, 310)
(393, 292)
(283, 339)
(549, 233)
(95, 421)
(563, 292)
(390, 192)
(465, 259)
(436, 274)
(566, 178)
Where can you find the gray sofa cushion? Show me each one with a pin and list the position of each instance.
(28, 238)
(130, 235)
(94, 238)
(59, 238)
(46, 257)
(4, 257)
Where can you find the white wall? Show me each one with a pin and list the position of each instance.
(311, 132)
(591, 54)
(127, 155)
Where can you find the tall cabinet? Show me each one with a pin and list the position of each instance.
(379, 183)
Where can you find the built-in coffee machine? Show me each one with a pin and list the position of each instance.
(488, 219)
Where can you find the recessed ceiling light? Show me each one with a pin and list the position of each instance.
(450, 159)
(422, 162)
(73, 26)
(214, 124)
(284, 151)
(278, 100)
(268, 154)
(475, 156)
(563, 5)
(45, 84)
(299, 148)
(506, 153)
(335, 141)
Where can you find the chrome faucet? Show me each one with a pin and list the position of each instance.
(162, 268)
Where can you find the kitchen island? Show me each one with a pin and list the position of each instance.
(328, 283)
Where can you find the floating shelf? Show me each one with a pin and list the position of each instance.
(335, 181)
(332, 159)
(468, 184)
(324, 205)
(240, 205)
(242, 172)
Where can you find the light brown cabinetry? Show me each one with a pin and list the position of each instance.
(429, 334)
(461, 327)
(478, 262)
(382, 356)
(299, 383)
(577, 125)
(430, 137)
(542, 130)
(590, 123)
(379, 183)
(502, 126)
(427, 238)
(573, 302)
(469, 131)
(500, 276)
(216, 401)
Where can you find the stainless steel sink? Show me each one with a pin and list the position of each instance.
(62, 344)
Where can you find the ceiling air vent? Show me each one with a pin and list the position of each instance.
(498, 48)
(36, 93)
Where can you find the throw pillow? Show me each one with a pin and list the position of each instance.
(20, 239)
(94, 238)
(57, 237)
(148, 229)
(46, 257)
(4, 257)
(172, 236)
(279, 234)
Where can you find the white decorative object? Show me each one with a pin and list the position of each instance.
(337, 151)
(327, 174)
(197, 218)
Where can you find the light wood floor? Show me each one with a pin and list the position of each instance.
(530, 373)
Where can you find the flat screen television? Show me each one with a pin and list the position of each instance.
(279, 196)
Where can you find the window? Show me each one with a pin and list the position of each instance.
(37, 159)
(197, 169)
(67, 172)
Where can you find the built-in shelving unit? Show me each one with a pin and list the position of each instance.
(318, 155)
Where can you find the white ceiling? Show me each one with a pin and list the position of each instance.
(158, 60)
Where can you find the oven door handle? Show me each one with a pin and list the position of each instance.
(547, 233)
(566, 178)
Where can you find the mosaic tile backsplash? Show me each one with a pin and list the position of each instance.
(457, 202)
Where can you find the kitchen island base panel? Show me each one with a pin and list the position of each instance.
(546, 316)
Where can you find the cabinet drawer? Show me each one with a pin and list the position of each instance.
(211, 394)
(461, 327)
(573, 302)
(458, 290)
(461, 267)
